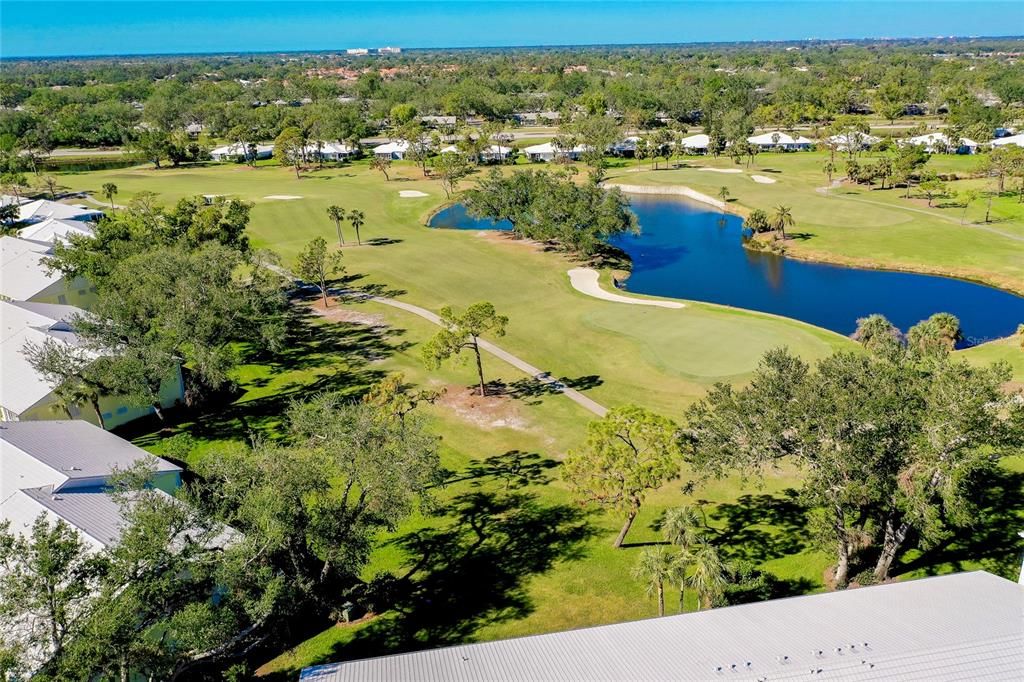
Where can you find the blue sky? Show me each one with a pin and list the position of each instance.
(83, 27)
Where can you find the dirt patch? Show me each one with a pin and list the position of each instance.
(282, 197)
(506, 238)
(491, 411)
(412, 194)
(335, 313)
(762, 179)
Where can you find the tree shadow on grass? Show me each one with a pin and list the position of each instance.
(325, 356)
(472, 572)
(992, 541)
(515, 469)
(758, 528)
(531, 389)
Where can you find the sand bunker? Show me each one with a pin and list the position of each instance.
(722, 170)
(585, 281)
(412, 194)
(763, 179)
(282, 197)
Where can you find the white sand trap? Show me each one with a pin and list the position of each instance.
(585, 281)
(412, 194)
(763, 179)
(721, 170)
(282, 197)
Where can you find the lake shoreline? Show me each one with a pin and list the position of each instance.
(827, 258)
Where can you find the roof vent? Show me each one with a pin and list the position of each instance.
(783, 659)
(56, 498)
(72, 468)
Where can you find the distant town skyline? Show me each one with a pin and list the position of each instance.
(41, 28)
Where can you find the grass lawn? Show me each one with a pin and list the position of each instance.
(538, 563)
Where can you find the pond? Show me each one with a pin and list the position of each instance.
(689, 251)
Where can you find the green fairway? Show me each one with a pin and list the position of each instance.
(546, 564)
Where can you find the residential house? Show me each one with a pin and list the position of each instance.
(54, 230)
(1009, 140)
(25, 395)
(395, 151)
(965, 626)
(494, 153)
(25, 276)
(44, 209)
(854, 139)
(240, 151)
(549, 152)
(694, 144)
(939, 143)
(625, 147)
(779, 141)
(329, 151)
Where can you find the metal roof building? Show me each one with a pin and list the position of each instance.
(967, 626)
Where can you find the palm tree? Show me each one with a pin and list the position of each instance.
(357, 219)
(656, 565)
(110, 191)
(73, 392)
(829, 169)
(723, 194)
(683, 527)
(781, 219)
(709, 575)
(337, 214)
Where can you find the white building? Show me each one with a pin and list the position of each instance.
(54, 230)
(966, 626)
(329, 151)
(853, 139)
(240, 151)
(549, 152)
(25, 395)
(25, 276)
(61, 468)
(392, 150)
(44, 209)
(1017, 140)
(938, 143)
(494, 153)
(695, 144)
(779, 141)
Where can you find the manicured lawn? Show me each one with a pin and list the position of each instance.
(510, 554)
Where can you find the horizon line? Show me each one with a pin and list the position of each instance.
(231, 53)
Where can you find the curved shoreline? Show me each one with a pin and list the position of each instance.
(818, 256)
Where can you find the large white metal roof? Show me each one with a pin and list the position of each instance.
(967, 626)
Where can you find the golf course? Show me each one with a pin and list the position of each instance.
(549, 564)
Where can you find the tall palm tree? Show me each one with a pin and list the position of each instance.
(110, 191)
(656, 565)
(357, 219)
(709, 574)
(684, 528)
(73, 392)
(781, 219)
(337, 214)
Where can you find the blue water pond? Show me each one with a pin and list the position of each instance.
(689, 251)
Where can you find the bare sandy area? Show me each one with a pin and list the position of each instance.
(721, 170)
(585, 281)
(283, 197)
(678, 190)
(763, 179)
(412, 194)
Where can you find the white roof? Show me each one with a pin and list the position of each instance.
(41, 209)
(549, 148)
(398, 146)
(450, 149)
(21, 386)
(22, 271)
(856, 136)
(73, 450)
(495, 149)
(53, 229)
(1012, 139)
(239, 149)
(783, 138)
(938, 138)
(6, 199)
(955, 627)
(698, 141)
(328, 148)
